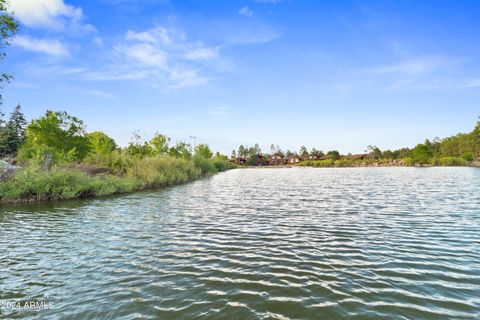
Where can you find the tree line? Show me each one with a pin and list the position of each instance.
(58, 137)
(464, 146)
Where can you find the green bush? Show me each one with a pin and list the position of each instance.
(449, 161)
(205, 165)
(222, 165)
(344, 163)
(318, 163)
(35, 183)
(408, 161)
(468, 156)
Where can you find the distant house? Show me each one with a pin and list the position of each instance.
(239, 160)
(294, 159)
(262, 161)
(276, 160)
(311, 157)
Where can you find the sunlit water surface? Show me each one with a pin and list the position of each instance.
(366, 243)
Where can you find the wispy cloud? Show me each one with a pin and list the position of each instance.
(268, 1)
(51, 14)
(165, 57)
(219, 113)
(47, 46)
(246, 12)
(202, 54)
(98, 41)
(168, 56)
(101, 94)
(415, 66)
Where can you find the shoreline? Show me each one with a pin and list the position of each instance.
(33, 184)
(33, 201)
(359, 166)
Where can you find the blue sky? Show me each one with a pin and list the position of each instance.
(325, 74)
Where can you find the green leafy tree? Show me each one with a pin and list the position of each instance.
(8, 28)
(219, 156)
(203, 150)
(475, 136)
(388, 154)
(101, 144)
(333, 154)
(160, 144)
(303, 151)
(422, 154)
(374, 152)
(137, 147)
(234, 154)
(57, 136)
(181, 150)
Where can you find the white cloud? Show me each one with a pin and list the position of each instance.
(167, 57)
(415, 66)
(98, 41)
(47, 46)
(269, 1)
(145, 54)
(162, 56)
(53, 14)
(219, 113)
(245, 11)
(252, 36)
(101, 94)
(184, 78)
(202, 54)
(156, 36)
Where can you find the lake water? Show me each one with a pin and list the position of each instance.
(300, 243)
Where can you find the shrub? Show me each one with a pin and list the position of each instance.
(449, 161)
(318, 163)
(205, 165)
(222, 164)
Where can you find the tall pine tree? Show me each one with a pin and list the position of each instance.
(12, 134)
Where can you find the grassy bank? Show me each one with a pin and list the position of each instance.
(407, 162)
(118, 175)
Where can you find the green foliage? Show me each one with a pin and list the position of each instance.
(205, 165)
(333, 154)
(422, 154)
(101, 144)
(35, 184)
(137, 148)
(162, 171)
(374, 152)
(449, 161)
(180, 150)
(408, 161)
(159, 144)
(303, 151)
(55, 137)
(222, 164)
(12, 134)
(126, 173)
(8, 28)
(203, 150)
(318, 163)
(468, 156)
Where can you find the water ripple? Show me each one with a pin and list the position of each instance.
(363, 243)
